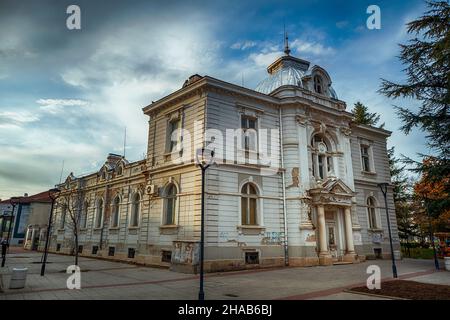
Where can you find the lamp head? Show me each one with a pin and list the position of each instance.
(204, 157)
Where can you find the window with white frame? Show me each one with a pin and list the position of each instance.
(170, 204)
(371, 212)
(62, 221)
(135, 210)
(249, 204)
(249, 126)
(321, 158)
(173, 136)
(84, 215)
(99, 214)
(115, 212)
(318, 84)
(365, 158)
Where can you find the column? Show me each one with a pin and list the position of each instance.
(322, 230)
(324, 255)
(350, 255)
(33, 235)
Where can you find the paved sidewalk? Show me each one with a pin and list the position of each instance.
(101, 279)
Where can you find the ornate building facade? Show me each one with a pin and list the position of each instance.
(314, 202)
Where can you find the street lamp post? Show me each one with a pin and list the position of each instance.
(47, 238)
(383, 187)
(436, 262)
(5, 245)
(204, 159)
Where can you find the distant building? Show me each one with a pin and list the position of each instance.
(39, 211)
(315, 201)
(30, 216)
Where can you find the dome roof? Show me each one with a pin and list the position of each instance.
(286, 75)
(288, 70)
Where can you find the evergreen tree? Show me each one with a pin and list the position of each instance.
(404, 206)
(362, 115)
(427, 61)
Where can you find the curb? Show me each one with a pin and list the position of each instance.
(373, 295)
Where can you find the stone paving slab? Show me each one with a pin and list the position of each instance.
(115, 280)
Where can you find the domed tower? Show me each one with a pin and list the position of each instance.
(291, 71)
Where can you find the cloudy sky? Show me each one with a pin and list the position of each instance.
(67, 95)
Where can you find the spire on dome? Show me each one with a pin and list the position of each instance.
(287, 51)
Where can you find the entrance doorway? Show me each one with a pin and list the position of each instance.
(334, 242)
(331, 239)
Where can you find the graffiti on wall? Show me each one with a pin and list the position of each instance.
(272, 238)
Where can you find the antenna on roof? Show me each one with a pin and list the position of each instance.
(287, 51)
(62, 168)
(124, 142)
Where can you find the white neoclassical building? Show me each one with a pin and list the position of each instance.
(295, 180)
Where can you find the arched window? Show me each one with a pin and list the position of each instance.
(99, 214)
(318, 84)
(322, 162)
(249, 206)
(119, 170)
(103, 175)
(84, 215)
(135, 208)
(171, 204)
(371, 213)
(115, 212)
(62, 222)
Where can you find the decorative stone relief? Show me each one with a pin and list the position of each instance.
(295, 177)
(346, 131)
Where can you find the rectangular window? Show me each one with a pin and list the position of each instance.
(166, 256)
(94, 249)
(365, 158)
(252, 212)
(63, 217)
(80, 249)
(378, 253)
(170, 212)
(244, 208)
(131, 252)
(111, 251)
(252, 258)
(58, 247)
(321, 167)
(329, 164)
(83, 222)
(250, 133)
(172, 141)
(372, 218)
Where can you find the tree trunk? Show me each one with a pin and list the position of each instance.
(407, 246)
(76, 248)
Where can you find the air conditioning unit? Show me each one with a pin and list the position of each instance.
(151, 189)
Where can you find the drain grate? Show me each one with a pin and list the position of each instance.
(232, 295)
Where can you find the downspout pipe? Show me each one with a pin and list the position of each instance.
(283, 181)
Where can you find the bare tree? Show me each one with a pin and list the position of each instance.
(72, 205)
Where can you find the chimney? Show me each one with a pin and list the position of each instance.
(25, 194)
